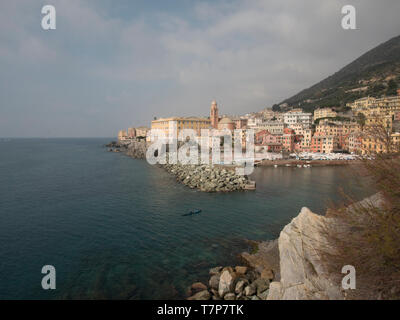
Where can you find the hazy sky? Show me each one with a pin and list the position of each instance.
(118, 63)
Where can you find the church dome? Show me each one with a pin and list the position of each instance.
(226, 121)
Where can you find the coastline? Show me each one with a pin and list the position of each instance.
(287, 268)
(258, 276)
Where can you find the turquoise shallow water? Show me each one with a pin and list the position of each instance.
(113, 228)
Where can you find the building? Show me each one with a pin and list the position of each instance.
(361, 105)
(240, 123)
(274, 127)
(214, 115)
(131, 133)
(226, 123)
(323, 143)
(268, 114)
(122, 135)
(387, 105)
(194, 123)
(337, 127)
(297, 116)
(324, 113)
(305, 137)
(141, 131)
(355, 143)
(264, 140)
(288, 140)
(253, 122)
(265, 137)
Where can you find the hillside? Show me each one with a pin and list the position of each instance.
(375, 73)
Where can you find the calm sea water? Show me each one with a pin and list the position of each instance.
(113, 227)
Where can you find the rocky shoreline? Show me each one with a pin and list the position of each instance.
(208, 178)
(289, 268)
(205, 178)
(246, 282)
(133, 148)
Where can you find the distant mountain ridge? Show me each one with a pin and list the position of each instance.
(374, 73)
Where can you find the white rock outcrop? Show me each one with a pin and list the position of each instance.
(303, 276)
(226, 283)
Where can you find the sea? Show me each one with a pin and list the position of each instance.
(113, 226)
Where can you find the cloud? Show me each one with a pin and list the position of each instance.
(110, 66)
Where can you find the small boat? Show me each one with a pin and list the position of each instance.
(275, 165)
(197, 211)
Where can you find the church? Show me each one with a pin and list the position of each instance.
(224, 123)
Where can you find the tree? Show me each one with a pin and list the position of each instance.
(392, 88)
(276, 108)
(361, 119)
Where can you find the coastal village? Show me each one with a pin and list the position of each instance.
(326, 134)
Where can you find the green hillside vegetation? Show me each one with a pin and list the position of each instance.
(375, 73)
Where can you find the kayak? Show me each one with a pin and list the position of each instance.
(192, 212)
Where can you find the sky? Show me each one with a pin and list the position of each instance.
(114, 64)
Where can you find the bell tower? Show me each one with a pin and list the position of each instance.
(214, 114)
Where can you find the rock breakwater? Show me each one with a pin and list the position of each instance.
(135, 148)
(208, 178)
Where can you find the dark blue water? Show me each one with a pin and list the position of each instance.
(113, 228)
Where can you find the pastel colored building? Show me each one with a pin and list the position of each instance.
(254, 121)
(122, 135)
(324, 113)
(323, 143)
(194, 123)
(274, 127)
(141, 131)
(131, 133)
(240, 123)
(297, 116)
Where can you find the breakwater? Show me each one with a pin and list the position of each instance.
(208, 178)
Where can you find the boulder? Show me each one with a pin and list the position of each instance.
(240, 285)
(214, 292)
(241, 269)
(214, 281)
(226, 283)
(250, 290)
(228, 269)
(215, 270)
(198, 286)
(261, 285)
(230, 296)
(252, 275)
(202, 295)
